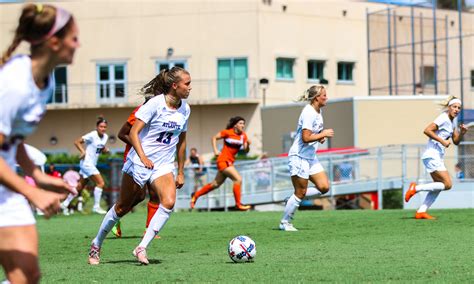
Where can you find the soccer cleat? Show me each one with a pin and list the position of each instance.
(140, 254)
(98, 210)
(117, 230)
(193, 201)
(94, 255)
(424, 215)
(65, 210)
(410, 192)
(287, 226)
(242, 207)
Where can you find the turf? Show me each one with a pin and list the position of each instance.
(331, 246)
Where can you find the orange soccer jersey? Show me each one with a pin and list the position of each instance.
(131, 120)
(233, 142)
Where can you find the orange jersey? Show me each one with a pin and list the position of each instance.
(131, 120)
(233, 142)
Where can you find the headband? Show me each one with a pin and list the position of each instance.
(61, 19)
(454, 101)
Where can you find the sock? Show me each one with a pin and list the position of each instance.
(79, 203)
(97, 196)
(312, 191)
(429, 200)
(290, 208)
(204, 190)
(110, 219)
(433, 186)
(237, 194)
(152, 207)
(68, 200)
(156, 224)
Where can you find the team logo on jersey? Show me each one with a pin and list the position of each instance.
(172, 125)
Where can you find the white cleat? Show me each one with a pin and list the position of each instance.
(65, 210)
(98, 210)
(140, 254)
(94, 255)
(287, 226)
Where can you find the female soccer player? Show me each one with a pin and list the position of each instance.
(25, 87)
(303, 163)
(234, 139)
(158, 133)
(95, 145)
(439, 132)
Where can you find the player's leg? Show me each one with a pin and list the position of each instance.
(432, 165)
(152, 205)
(439, 178)
(232, 173)
(218, 180)
(319, 178)
(99, 187)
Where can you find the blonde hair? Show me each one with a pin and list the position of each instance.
(444, 104)
(162, 82)
(310, 94)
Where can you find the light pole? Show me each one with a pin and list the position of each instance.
(264, 85)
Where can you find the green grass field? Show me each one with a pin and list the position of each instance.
(331, 246)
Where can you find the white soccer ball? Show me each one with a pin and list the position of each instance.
(242, 249)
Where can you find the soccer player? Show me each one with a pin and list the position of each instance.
(158, 134)
(26, 85)
(234, 139)
(95, 145)
(439, 132)
(302, 161)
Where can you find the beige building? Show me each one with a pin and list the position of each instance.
(228, 47)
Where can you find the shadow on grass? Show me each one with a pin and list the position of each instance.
(131, 261)
(124, 237)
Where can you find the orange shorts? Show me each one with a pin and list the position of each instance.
(224, 165)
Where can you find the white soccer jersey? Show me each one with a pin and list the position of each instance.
(162, 129)
(94, 146)
(434, 149)
(312, 120)
(22, 106)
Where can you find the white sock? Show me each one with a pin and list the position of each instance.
(429, 200)
(68, 200)
(290, 208)
(156, 224)
(110, 219)
(433, 186)
(312, 191)
(97, 196)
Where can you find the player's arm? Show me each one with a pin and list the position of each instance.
(137, 145)
(309, 136)
(247, 146)
(181, 150)
(124, 133)
(457, 135)
(214, 143)
(79, 142)
(430, 131)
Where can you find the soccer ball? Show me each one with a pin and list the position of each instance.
(242, 249)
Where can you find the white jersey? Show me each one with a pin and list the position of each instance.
(94, 146)
(22, 106)
(445, 131)
(312, 120)
(161, 132)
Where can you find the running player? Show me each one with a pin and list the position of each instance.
(235, 139)
(158, 134)
(302, 161)
(95, 145)
(25, 87)
(439, 132)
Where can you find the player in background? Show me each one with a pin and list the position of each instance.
(302, 160)
(26, 84)
(94, 142)
(158, 134)
(235, 139)
(439, 132)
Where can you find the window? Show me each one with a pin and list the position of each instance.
(285, 68)
(111, 82)
(316, 69)
(344, 71)
(428, 75)
(232, 77)
(60, 92)
(168, 64)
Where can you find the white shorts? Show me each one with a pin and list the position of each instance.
(14, 209)
(88, 170)
(303, 167)
(142, 175)
(434, 165)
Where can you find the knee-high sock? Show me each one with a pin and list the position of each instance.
(110, 219)
(204, 190)
(429, 200)
(151, 209)
(97, 196)
(68, 200)
(156, 224)
(237, 194)
(312, 191)
(290, 208)
(432, 186)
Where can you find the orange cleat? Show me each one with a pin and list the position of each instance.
(193, 201)
(116, 230)
(242, 207)
(424, 215)
(410, 192)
